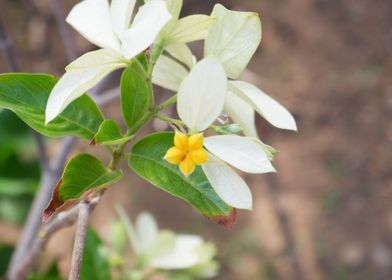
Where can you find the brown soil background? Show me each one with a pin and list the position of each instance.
(327, 214)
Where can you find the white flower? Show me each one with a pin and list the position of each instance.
(107, 26)
(200, 101)
(233, 38)
(164, 249)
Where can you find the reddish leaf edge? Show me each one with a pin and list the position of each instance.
(56, 205)
(226, 221)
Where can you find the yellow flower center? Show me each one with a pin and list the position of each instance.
(187, 152)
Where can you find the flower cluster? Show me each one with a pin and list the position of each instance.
(208, 88)
(204, 89)
(161, 249)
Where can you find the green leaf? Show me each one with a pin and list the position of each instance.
(144, 61)
(5, 257)
(17, 186)
(147, 161)
(135, 93)
(51, 274)
(14, 209)
(27, 95)
(95, 263)
(84, 174)
(109, 133)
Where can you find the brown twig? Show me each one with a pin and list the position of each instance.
(85, 209)
(62, 220)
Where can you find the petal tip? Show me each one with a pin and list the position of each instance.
(49, 118)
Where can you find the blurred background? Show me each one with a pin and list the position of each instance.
(326, 214)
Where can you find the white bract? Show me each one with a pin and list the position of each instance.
(200, 101)
(233, 38)
(164, 249)
(108, 27)
(183, 30)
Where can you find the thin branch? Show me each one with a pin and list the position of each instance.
(61, 157)
(42, 152)
(29, 234)
(60, 221)
(80, 238)
(64, 31)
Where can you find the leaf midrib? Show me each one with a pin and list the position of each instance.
(41, 110)
(177, 175)
(91, 185)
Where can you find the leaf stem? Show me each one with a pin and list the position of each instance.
(118, 153)
(169, 120)
(156, 53)
(168, 102)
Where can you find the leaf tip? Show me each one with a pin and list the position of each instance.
(53, 204)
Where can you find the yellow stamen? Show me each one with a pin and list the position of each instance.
(187, 152)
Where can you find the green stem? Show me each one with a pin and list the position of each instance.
(156, 53)
(118, 153)
(170, 120)
(167, 103)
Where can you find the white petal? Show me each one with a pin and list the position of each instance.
(182, 53)
(241, 152)
(149, 20)
(91, 18)
(72, 85)
(202, 94)
(96, 58)
(162, 245)
(168, 73)
(131, 232)
(265, 105)
(233, 38)
(241, 113)
(191, 28)
(184, 255)
(147, 230)
(174, 7)
(121, 14)
(230, 187)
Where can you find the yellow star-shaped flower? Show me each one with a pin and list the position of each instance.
(187, 152)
